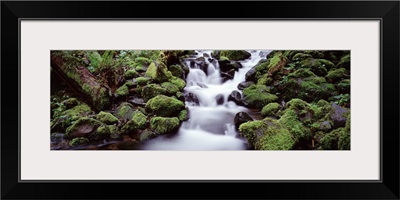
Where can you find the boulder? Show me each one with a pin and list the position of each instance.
(240, 118)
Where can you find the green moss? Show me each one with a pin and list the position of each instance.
(348, 123)
(142, 61)
(270, 110)
(301, 56)
(114, 132)
(344, 140)
(223, 58)
(70, 103)
(344, 62)
(336, 75)
(102, 132)
(171, 88)
(180, 83)
(99, 96)
(235, 55)
(158, 72)
(275, 60)
(344, 86)
(164, 106)
(89, 123)
(294, 125)
(267, 134)
(183, 115)
(141, 81)
(124, 111)
(331, 140)
(122, 91)
(176, 70)
(146, 135)
(130, 74)
(301, 73)
(78, 141)
(315, 66)
(151, 90)
(163, 125)
(138, 121)
(326, 63)
(106, 118)
(257, 96)
(65, 118)
(264, 80)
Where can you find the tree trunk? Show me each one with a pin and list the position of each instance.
(81, 81)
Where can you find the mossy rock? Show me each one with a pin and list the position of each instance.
(78, 141)
(344, 86)
(183, 115)
(300, 56)
(147, 134)
(122, 91)
(63, 119)
(344, 140)
(151, 90)
(291, 121)
(267, 134)
(176, 70)
(158, 72)
(70, 103)
(131, 74)
(180, 83)
(124, 111)
(331, 140)
(106, 118)
(270, 110)
(83, 127)
(344, 62)
(235, 54)
(138, 121)
(100, 96)
(257, 96)
(165, 106)
(336, 75)
(315, 66)
(170, 88)
(142, 81)
(102, 132)
(163, 125)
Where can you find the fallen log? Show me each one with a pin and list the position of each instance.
(81, 81)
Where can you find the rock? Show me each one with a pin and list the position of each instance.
(137, 101)
(220, 99)
(240, 118)
(251, 74)
(184, 115)
(344, 86)
(270, 110)
(267, 134)
(147, 135)
(245, 84)
(163, 125)
(124, 111)
(176, 70)
(226, 65)
(180, 83)
(216, 54)
(65, 118)
(83, 127)
(151, 90)
(315, 66)
(325, 126)
(229, 75)
(336, 75)
(56, 138)
(171, 89)
(121, 92)
(78, 141)
(158, 72)
(235, 55)
(138, 121)
(338, 116)
(106, 118)
(130, 74)
(70, 103)
(190, 97)
(164, 106)
(257, 96)
(141, 81)
(344, 62)
(236, 97)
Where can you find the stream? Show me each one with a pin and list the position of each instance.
(211, 115)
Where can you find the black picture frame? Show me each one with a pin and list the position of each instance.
(386, 11)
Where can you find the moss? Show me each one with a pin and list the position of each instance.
(142, 61)
(301, 56)
(275, 60)
(336, 75)
(99, 96)
(140, 68)
(294, 125)
(102, 132)
(106, 118)
(146, 135)
(122, 91)
(267, 134)
(270, 109)
(151, 90)
(130, 84)
(348, 123)
(326, 63)
(183, 115)
(235, 55)
(138, 121)
(315, 66)
(158, 72)
(180, 83)
(331, 140)
(344, 62)
(141, 81)
(78, 141)
(124, 111)
(114, 132)
(130, 74)
(344, 140)
(264, 80)
(344, 86)
(223, 58)
(257, 96)
(70, 103)
(164, 106)
(163, 125)
(176, 70)
(170, 88)
(66, 118)
(89, 126)
(301, 73)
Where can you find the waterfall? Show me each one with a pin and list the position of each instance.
(210, 125)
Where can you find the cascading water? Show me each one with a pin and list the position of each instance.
(210, 125)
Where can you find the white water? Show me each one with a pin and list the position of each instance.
(210, 126)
